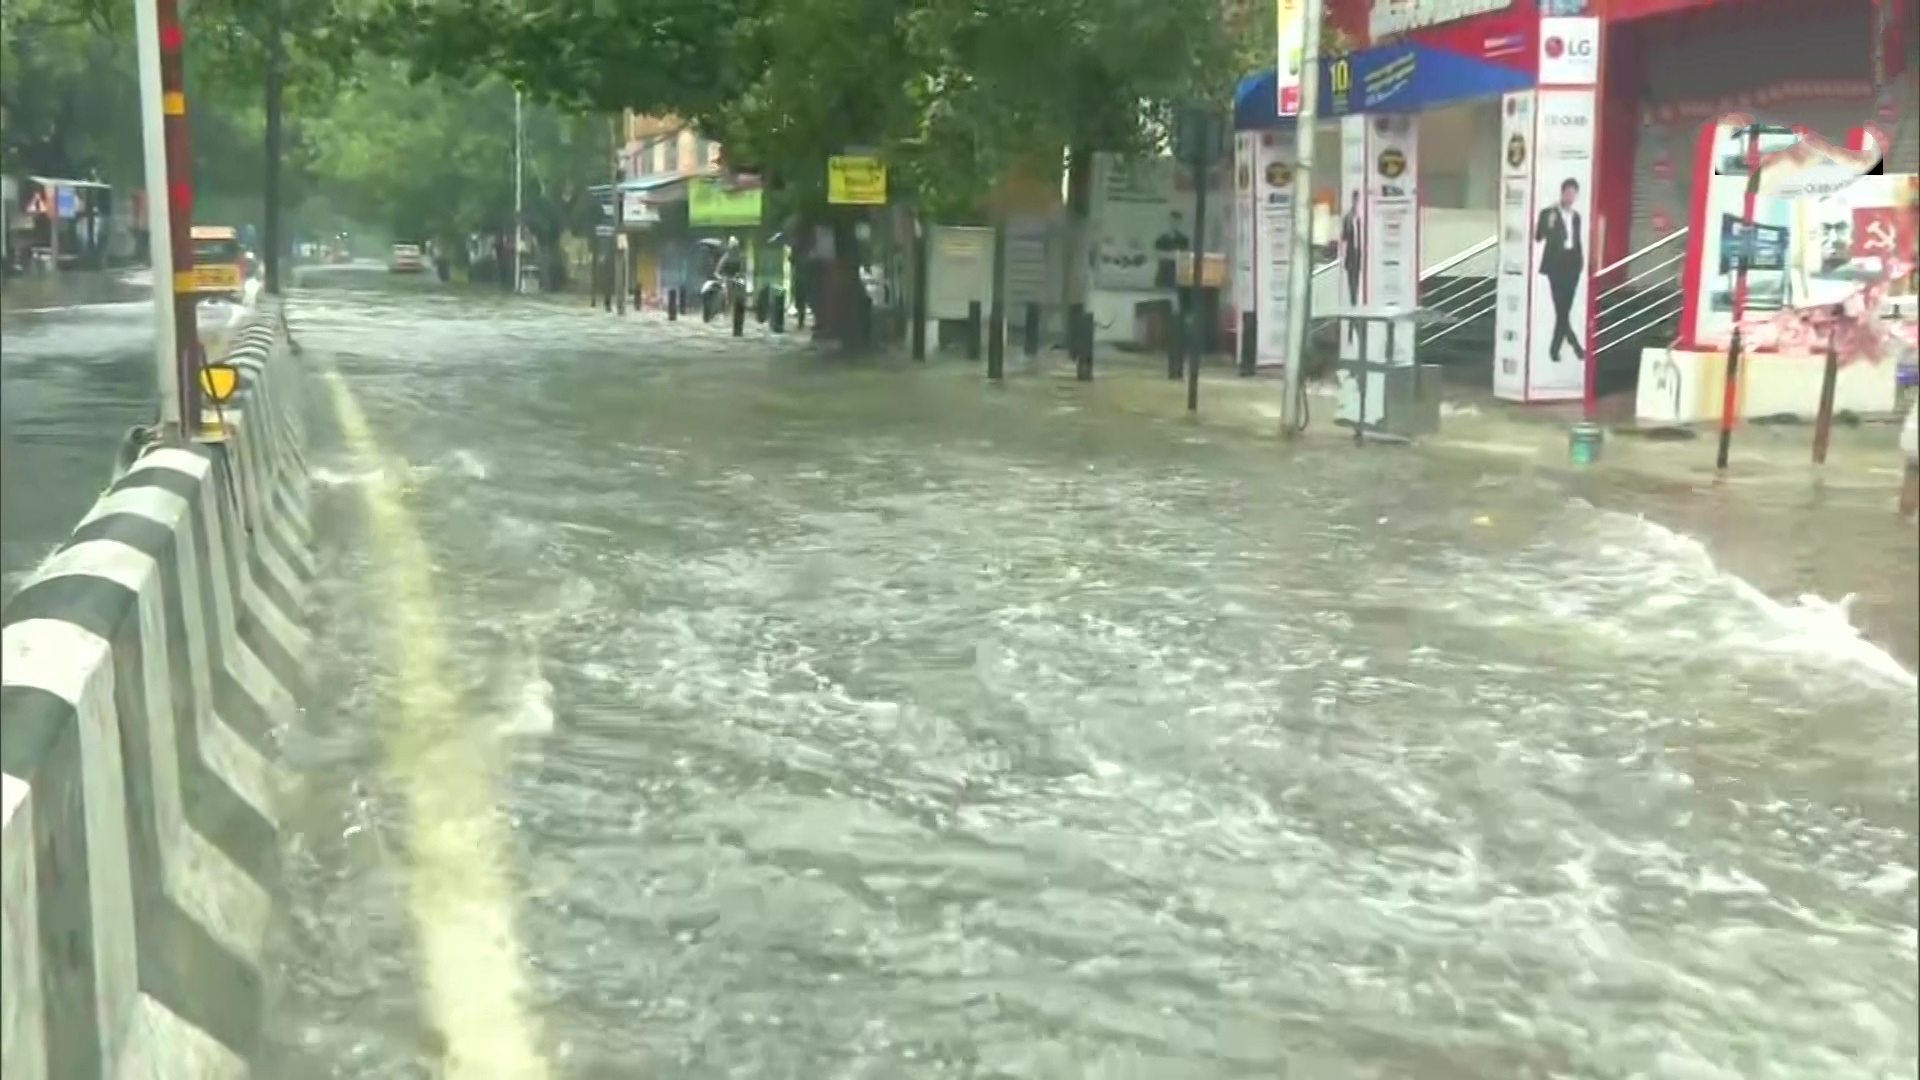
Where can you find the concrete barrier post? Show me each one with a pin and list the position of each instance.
(149, 667)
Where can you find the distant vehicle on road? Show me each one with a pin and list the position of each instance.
(218, 261)
(406, 259)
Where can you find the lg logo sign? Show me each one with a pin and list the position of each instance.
(1578, 49)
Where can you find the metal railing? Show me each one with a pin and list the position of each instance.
(1640, 303)
(1443, 295)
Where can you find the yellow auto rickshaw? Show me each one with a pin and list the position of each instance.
(217, 261)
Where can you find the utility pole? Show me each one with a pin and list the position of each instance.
(159, 39)
(519, 217)
(1300, 262)
(276, 85)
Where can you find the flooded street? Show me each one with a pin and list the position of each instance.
(865, 722)
(76, 371)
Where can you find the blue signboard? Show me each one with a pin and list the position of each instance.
(1401, 78)
(66, 202)
(1763, 246)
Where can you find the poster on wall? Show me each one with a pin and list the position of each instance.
(1513, 273)
(1563, 234)
(1801, 254)
(1353, 229)
(1276, 188)
(1393, 222)
(1246, 149)
(1143, 218)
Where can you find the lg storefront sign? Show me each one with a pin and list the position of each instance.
(1390, 17)
(1569, 51)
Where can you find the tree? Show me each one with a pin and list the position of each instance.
(434, 160)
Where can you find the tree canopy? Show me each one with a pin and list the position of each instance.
(949, 92)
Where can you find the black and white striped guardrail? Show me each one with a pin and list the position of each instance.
(149, 667)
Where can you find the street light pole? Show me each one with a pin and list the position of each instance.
(519, 220)
(1300, 261)
(159, 39)
(276, 85)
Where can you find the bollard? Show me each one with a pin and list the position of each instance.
(777, 312)
(761, 297)
(1083, 363)
(673, 304)
(1249, 342)
(1074, 311)
(740, 314)
(1823, 419)
(1176, 340)
(973, 329)
(997, 344)
(1030, 330)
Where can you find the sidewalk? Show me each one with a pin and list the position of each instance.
(1774, 518)
(1861, 458)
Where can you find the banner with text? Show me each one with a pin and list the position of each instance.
(1560, 317)
(1353, 230)
(1246, 221)
(1513, 273)
(1357, 263)
(1393, 220)
(1276, 189)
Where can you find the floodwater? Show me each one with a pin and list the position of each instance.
(864, 722)
(76, 371)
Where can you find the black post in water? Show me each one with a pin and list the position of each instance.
(1176, 337)
(1249, 342)
(777, 312)
(997, 312)
(1074, 311)
(760, 298)
(739, 314)
(918, 332)
(1030, 330)
(673, 304)
(1200, 163)
(1083, 362)
(973, 329)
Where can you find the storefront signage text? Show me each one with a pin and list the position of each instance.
(1390, 17)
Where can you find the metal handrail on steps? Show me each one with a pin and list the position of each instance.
(1452, 290)
(1644, 300)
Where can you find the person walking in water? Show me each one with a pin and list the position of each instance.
(1352, 257)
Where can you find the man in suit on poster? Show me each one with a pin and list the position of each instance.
(1563, 262)
(1352, 256)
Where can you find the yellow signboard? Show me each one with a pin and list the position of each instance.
(219, 277)
(856, 180)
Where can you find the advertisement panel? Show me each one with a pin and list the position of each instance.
(1513, 273)
(1356, 264)
(1353, 228)
(1569, 51)
(1808, 250)
(1276, 191)
(1290, 39)
(1246, 221)
(713, 203)
(1563, 236)
(1142, 217)
(1393, 225)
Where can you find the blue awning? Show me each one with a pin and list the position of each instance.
(1402, 78)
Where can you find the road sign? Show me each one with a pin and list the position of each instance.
(856, 180)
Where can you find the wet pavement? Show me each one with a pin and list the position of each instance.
(865, 721)
(76, 371)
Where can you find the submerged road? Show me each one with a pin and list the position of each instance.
(868, 723)
(76, 371)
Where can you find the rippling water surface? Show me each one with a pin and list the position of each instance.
(866, 724)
